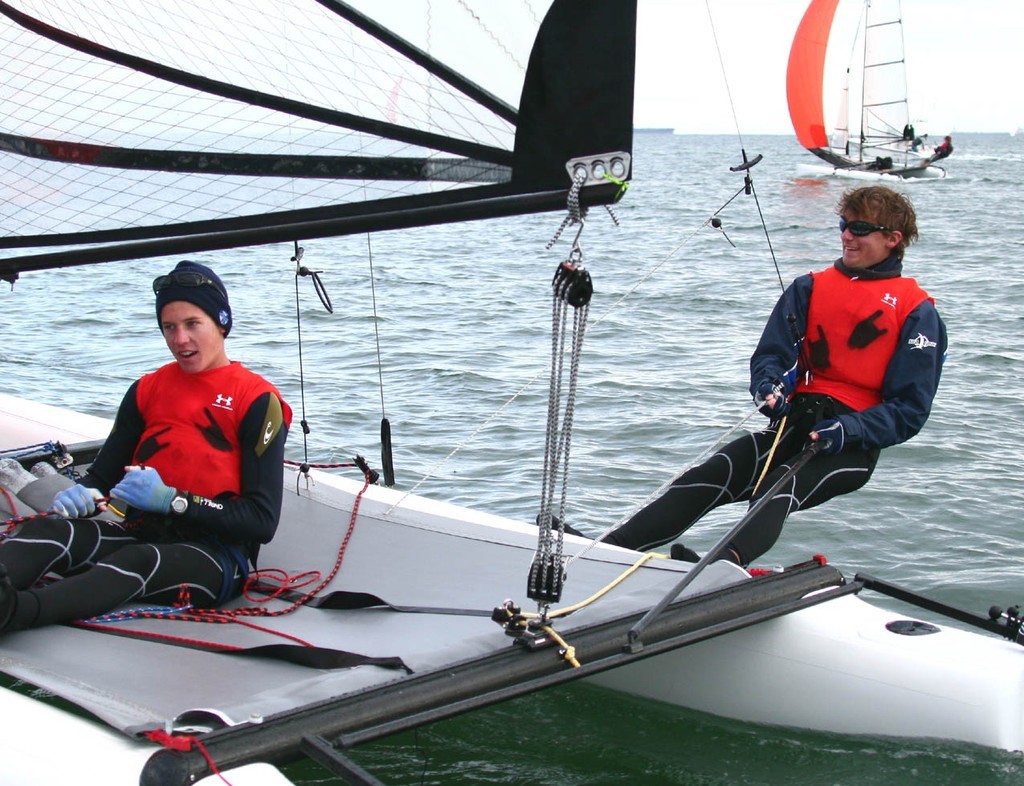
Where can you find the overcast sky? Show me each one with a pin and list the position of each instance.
(964, 64)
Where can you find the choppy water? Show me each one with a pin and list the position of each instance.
(464, 326)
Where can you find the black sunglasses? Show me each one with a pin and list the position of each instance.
(860, 228)
(184, 279)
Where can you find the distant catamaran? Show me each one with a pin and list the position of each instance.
(879, 144)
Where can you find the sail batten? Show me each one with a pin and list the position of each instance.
(420, 57)
(310, 166)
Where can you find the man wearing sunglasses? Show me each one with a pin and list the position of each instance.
(193, 469)
(850, 359)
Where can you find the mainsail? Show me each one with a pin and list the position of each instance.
(173, 128)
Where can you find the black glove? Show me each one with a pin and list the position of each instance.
(831, 434)
(778, 407)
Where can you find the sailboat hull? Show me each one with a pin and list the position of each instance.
(837, 667)
(842, 665)
(816, 171)
(90, 754)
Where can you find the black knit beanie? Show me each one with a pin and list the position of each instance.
(196, 284)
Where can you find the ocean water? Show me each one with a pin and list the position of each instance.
(451, 341)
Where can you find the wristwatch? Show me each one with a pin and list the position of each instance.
(179, 503)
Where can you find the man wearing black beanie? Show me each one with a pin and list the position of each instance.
(197, 284)
(194, 458)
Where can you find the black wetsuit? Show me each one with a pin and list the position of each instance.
(731, 474)
(105, 564)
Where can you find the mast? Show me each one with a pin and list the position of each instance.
(862, 136)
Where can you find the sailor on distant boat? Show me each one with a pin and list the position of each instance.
(195, 456)
(945, 150)
(851, 357)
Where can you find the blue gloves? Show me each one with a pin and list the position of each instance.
(142, 488)
(779, 406)
(831, 433)
(76, 502)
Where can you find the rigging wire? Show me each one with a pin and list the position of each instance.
(325, 299)
(611, 309)
(749, 189)
(297, 259)
(748, 180)
(301, 271)
(386, 455)
(725, 76)
(802, 359)
(663, 487)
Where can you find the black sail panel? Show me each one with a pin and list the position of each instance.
(578, 95)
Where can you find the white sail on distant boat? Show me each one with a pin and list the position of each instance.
(873, 135)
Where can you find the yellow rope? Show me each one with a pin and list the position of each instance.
(604, 590)
(771, 454)
(568, 651)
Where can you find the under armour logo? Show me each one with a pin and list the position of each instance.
(889, 300)
(921, 341)
(222, 401)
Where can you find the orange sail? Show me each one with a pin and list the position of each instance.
(805, 73)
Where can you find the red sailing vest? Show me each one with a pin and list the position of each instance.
(853, 325)
(192, 424)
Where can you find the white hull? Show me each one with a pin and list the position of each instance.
(89, 754)
(824, 170)
(836, 668)
(832, 667)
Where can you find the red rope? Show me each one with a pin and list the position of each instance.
(201, 643)
(285, 582)
(9, 525)
(263, 611)
(10, 503)
(237, 616)
(184, 742)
